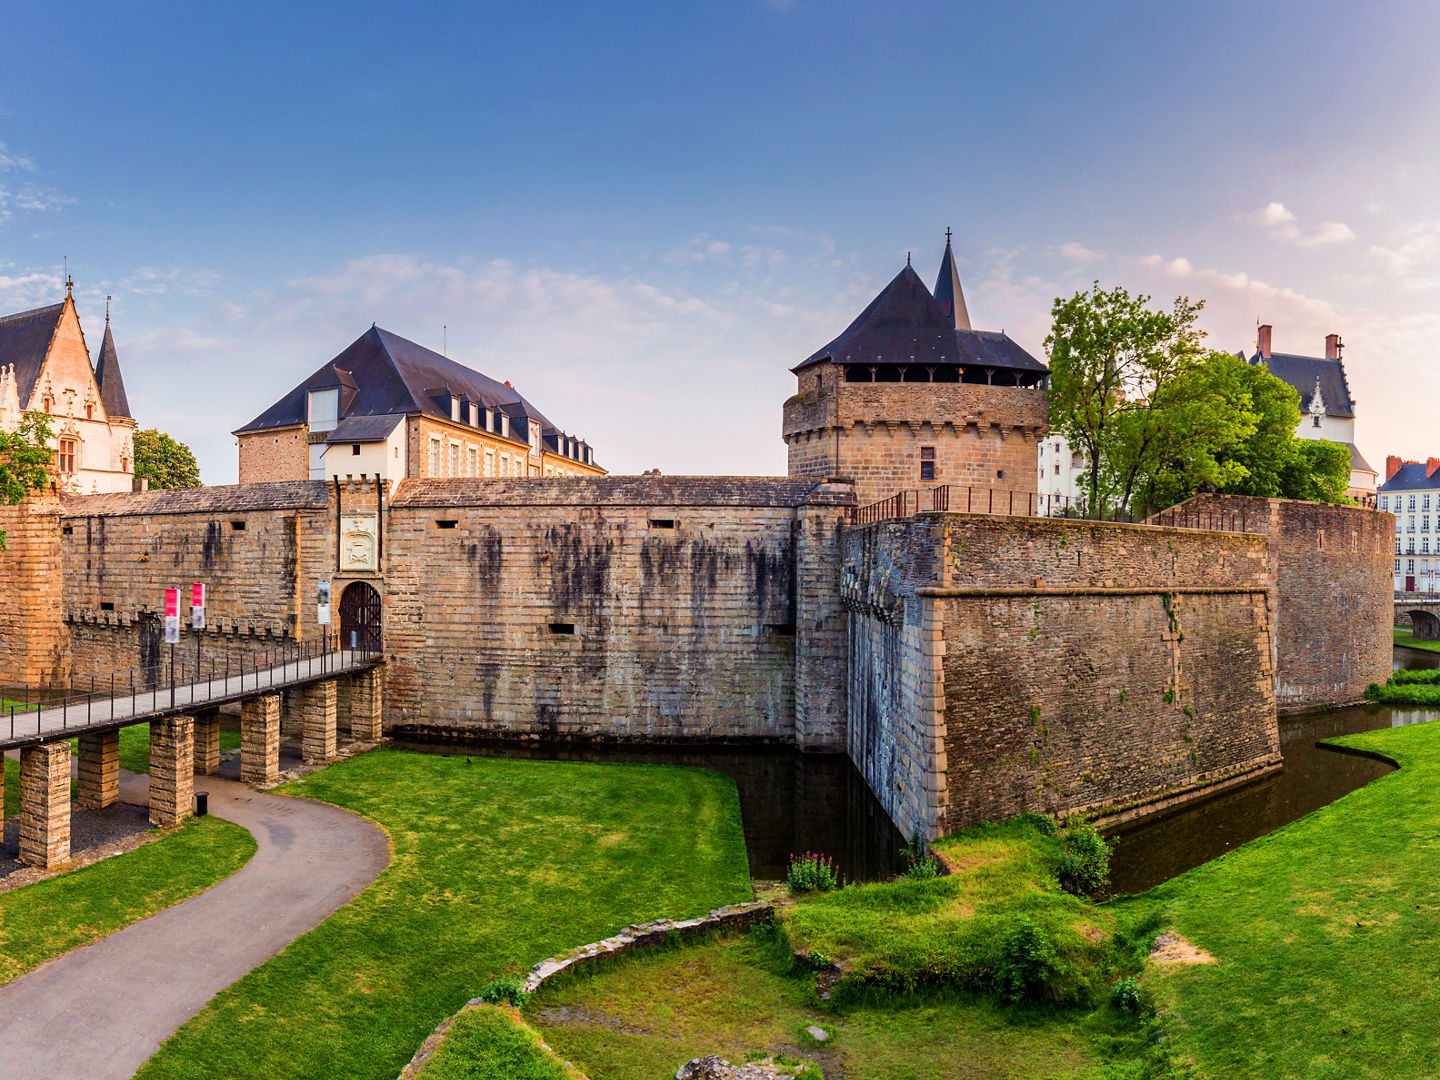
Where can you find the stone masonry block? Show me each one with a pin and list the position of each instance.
(318, 710)
(366, 705)
(172, 770)
(99, 780)
(45, 804)
(207, 743)
(260, 739)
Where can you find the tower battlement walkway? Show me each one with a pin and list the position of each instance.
(180, 700)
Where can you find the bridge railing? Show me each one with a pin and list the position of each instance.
(153, 687)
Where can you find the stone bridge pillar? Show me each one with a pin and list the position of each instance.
(318, 708)
(367, 700)
(207, 742)
(172, 770)
(45, 804)
(260, 739)
(99, 780)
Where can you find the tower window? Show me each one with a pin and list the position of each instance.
(355, 449)
(927, 463)
(67, 455)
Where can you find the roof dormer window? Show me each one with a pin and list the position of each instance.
(504, 426)
(324, 409)
(454, 408)
(474, 415)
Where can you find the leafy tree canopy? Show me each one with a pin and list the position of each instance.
(25, 458)
(164, 461)
(1161, 418)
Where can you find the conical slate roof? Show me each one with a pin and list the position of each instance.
(948, 293)
(107, 377)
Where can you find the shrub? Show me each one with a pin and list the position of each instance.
(812, 872)
(1045, 826)
(507, 989)
(1028, 965)
(1085, 863)
(919, 863)
(1127, 996)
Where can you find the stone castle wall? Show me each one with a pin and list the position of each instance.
(1332, 574)
(1005, 665)
(873, 433)
(269, 456)
(33, 645)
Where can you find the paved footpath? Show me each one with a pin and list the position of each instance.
(100, 1011)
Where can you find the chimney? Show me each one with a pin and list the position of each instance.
(1332, 346)
(1262, 340)
(1431, 465)
(1392, 466)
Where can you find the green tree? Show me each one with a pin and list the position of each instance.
(1318, 470)
(25, 459)
(164, 461)
(1113, 365)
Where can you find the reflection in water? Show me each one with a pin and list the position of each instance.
(1155, 849)
(789, 802)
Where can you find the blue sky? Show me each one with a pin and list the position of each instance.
(644, 214)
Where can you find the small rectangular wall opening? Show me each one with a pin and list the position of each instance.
(566, 629)
(446, 523)
(107, 605)
(67, 530)
(780, 629)
(662, 523)
(237, 526)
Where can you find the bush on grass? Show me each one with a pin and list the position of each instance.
(508, 989)
(812, 872)
(1084, 866)
(1028, 968)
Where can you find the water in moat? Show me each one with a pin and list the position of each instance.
(1156, 848)
(792, 802)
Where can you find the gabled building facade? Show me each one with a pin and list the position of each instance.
(1326, 409)
(45, 367)
(910, 396)
(388, 408)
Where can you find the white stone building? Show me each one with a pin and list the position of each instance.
(1411, 492)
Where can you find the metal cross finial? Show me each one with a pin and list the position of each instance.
(107, 309)
(947, 236)
(907, 258)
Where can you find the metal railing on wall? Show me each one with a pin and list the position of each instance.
(950, 498)
(177, 682)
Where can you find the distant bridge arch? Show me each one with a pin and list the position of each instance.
(1425, 622)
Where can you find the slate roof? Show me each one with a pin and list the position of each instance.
(24, 341)
(1301, 372)
(364, 429)
(905, 324)
(383, 374)
(107, 377)
(1411, 477)
(948, 293)
(1357, 460)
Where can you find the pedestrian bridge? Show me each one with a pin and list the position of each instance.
(1421, 611)
(180, 701)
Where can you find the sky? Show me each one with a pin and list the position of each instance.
(643, 215)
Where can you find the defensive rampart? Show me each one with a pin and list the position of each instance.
(1000, 665)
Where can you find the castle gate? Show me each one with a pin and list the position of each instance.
(360, 617)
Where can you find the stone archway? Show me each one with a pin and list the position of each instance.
(1425, 623)
(360, 617)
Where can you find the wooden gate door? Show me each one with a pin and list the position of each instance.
(360, 617)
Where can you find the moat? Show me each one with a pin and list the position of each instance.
(792, 802)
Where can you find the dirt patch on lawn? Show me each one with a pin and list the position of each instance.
(1173, 949)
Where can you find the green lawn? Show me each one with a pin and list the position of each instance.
(495, 862)
(491, 1042)
(1324, 934)
(43, 920)
(1410, 641)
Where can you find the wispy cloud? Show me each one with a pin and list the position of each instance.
(1282, 224)
(20, 194)
(1411, 256)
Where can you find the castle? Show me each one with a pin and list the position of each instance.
(972, 665)
(45, 368)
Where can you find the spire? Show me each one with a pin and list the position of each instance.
(107, 377)
(948, 291)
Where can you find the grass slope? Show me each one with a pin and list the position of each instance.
(39, 922)
(495, 862)
(1410, 641)
(642, 1016)
(1323, 933)
(491, 1042)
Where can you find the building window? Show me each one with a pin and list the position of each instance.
(472, 457)
(1410, 566)
(1425, 523)
(1397, 552)
(489, 463)
(434, 457)
(1057, 470)
(1424, 545)
(1384, 502)
(47, 403)
(324, 410)
(454, 409)
(454, 459)
(90, 415)
(1412, 502)
(1397, 566)
(1410, 547)
(67, 455)
(474, 415)
(927, 463)
(1425, 503)
(505, 429)
(354, 449)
